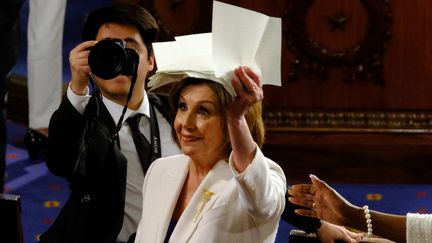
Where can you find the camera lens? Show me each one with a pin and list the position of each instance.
(107, 59)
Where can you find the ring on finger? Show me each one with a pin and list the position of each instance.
(313, 206)
(252, 88)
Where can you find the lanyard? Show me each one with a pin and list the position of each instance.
(154, 136)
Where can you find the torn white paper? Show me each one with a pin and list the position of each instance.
(240, 37)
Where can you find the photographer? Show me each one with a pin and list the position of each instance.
(92, 143)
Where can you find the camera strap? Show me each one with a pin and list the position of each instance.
(91, 114)
(154, 134)
(154, 127)
(133, 81)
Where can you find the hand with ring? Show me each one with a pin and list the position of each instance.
(320, 201)
(248, 87)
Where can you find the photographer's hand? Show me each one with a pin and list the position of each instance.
(80, 70)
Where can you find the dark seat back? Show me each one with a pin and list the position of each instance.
(10, 219)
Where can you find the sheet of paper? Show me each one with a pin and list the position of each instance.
(246, 37)
(269, 54)
(239, 37)
(191, 52)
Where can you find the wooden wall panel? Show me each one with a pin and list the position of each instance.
(352, 157)
(407, 63)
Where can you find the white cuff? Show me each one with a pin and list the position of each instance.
(78, 101)
(419, 228)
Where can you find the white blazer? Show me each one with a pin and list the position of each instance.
(244, 207)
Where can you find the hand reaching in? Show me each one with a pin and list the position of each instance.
(320, 201)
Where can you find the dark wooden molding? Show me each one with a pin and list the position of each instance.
(370, 121)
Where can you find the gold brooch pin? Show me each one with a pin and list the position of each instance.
(205, 197)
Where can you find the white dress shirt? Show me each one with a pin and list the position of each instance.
(135, 175)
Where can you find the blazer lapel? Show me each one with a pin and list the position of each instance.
(172, 184)
(213, 183)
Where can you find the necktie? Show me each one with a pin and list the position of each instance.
(141, 144)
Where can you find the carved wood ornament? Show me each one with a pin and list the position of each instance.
(180, 17)
(358, 63)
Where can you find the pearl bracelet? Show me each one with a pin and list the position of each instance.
(368, 221)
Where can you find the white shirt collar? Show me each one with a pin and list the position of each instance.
(116, 110)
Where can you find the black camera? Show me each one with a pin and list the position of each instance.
(110, 58)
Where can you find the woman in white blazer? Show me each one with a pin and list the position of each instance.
(222, 188)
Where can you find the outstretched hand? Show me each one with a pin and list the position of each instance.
(320, 201)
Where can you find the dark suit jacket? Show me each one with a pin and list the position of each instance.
(95, 208)
(308, 224)
(9, 34)
(9, 47)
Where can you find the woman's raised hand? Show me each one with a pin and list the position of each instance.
(248, 87)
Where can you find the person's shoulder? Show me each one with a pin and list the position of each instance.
(161, 102)
(168, 160)
(169, 163)
(158, 98)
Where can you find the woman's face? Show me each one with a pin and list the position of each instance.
(199, 123)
